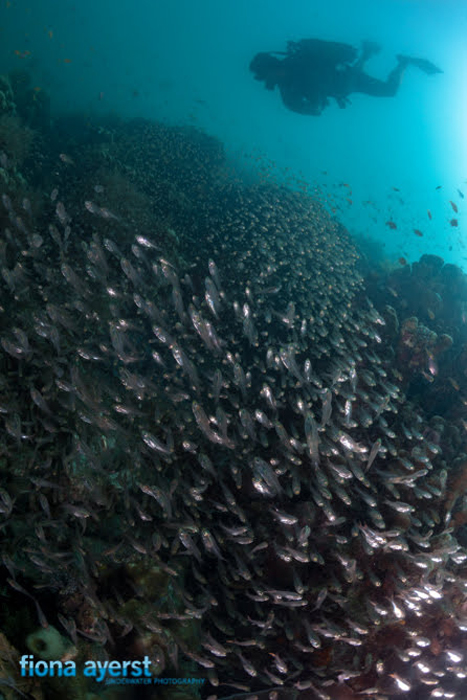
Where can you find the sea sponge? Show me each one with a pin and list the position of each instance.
(47, 643)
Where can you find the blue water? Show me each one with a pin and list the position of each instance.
(187, 62)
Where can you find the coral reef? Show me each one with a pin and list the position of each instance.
(15, 139)
(217, 450)
(7, 101)
(11, 683)
(424, 306)
(31, 103)
(419, 348)
(18, 141)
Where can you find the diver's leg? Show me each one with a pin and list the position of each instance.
(369, 49)
(361, 82)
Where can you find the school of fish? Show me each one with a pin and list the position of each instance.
(208, 408)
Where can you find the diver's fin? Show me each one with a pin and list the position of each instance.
(426, 66)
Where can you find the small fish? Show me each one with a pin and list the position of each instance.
(210, 543)
(91, 207)
(402, 261)
(247, 666)
(214, 272)
(73, 279)
(154, 444)
(213, 646)
(145, 242)
(373, 453)
(77, 511)
(42, 619)
(206, 663)
(454, 384)
(454, 206)
(6, 503)
(66, 159)
(204, 424)
(429, 214)
(7, 203)
(461, 194)
(160, 496)
(351, 445)
(267, 394)
(212, 296)
(106, 213)
(417, 232)
(279, 663)
(22, 54)
(187, 541)
(327, 407)
(311, 434)
(400, 506)
(401, 683)
(61, 213)
(432, 364)
(438, 187)
(264, 473)
(284, 518)
(391, 224)
(454, 222)
(39, 400)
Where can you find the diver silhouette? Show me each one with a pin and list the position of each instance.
(314, 70)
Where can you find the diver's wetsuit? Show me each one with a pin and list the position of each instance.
(362, 82)
(314, 70)
(307, 89)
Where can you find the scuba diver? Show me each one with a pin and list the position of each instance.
(314, 70)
